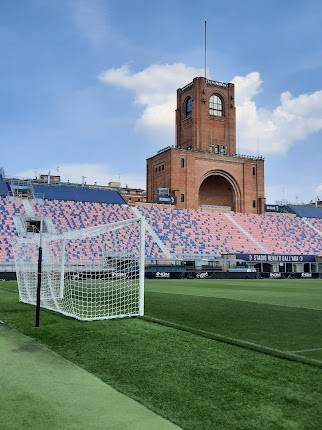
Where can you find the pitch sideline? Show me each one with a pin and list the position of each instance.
(50, 392)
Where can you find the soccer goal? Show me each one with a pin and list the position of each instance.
(89, 274)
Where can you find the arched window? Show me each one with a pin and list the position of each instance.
(188, 107)
(216, 106)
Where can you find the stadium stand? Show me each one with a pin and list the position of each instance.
(202, 232)
(183, 232)
(197, 232)
(67, 215)
(8, 209)
(281, 234)
(317, 223)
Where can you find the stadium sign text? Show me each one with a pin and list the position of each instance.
(162, 275)
(268, 258)
(202, 275)
(306, 275)
(170, 200)
(273, 208)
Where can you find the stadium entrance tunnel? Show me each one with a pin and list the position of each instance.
(219, 189)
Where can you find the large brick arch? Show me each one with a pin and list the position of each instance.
(219, 188)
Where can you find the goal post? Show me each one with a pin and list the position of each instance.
(88, 274)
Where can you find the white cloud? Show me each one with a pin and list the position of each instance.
(319, 190)
(274, 131)
(99, 173)
(247, 87)
(155, 90)
(269, 131)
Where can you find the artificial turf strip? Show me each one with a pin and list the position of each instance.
(195, 382)
(52, 393)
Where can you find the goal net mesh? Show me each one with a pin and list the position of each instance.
(89, 274)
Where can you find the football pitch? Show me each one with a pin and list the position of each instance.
(209, 354)
(285, 315)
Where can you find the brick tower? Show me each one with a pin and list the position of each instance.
(203, 168)
(205, 116)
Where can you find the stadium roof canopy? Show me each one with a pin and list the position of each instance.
(64, 192)
(4, 189)
(77, 193)
(306, 211)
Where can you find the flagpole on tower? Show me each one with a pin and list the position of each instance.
(205, 49)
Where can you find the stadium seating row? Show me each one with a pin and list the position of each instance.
(196, 232)
(317, 223)
(183, 232)
(281, 234)
(8, 209)
(201, 232)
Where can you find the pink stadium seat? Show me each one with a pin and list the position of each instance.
(8, 209)
(67, 215)
(197, 232)
(281, 234)
(183, 232)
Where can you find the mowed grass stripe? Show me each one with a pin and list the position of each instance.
(287, 355)
(302, 293)
(277, 327)
(11, 289)
(315, 355)
(195, 382)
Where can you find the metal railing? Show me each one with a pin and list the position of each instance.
(186, 86)
(217, 83)
(204, 151)
(208, 82)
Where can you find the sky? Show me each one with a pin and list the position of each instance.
(88, 87)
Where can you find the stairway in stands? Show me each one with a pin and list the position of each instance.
(153, 234)
(317, 229)
(247, 234)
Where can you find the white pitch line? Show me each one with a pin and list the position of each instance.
(308, 350)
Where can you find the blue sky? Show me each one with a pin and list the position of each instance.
(89, 86)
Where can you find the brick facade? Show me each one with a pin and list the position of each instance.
(201, 129)
(203, 168)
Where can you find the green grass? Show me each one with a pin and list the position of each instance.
(195, 382)
(52, 393)
(303, 293)
(277, 326)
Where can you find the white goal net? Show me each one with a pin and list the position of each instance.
(89, 274)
